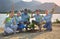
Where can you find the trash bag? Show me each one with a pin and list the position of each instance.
(21, 26)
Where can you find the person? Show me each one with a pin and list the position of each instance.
(38, 19)
(17, 17)
(13, 26)
(47, 18)
(19, 21)
(25, 18)
(8, 22)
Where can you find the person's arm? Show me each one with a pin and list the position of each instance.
(32, 15)
(14, 21)
(43, 20)
(4, 22)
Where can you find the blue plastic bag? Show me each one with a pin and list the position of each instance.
(21, 26)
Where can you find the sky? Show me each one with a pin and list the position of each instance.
(42, 1)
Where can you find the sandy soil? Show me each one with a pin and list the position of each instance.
(55, 34)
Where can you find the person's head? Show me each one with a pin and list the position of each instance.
(18, 13)
(37, 12)
(25, 11)
(46, 12)
(12, 11)
(11, 15)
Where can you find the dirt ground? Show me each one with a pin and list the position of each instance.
(55, 34)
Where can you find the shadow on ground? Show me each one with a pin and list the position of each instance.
(22, 35)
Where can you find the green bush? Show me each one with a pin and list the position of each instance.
(57, 21)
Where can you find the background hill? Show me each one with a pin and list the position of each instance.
(6, 5)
